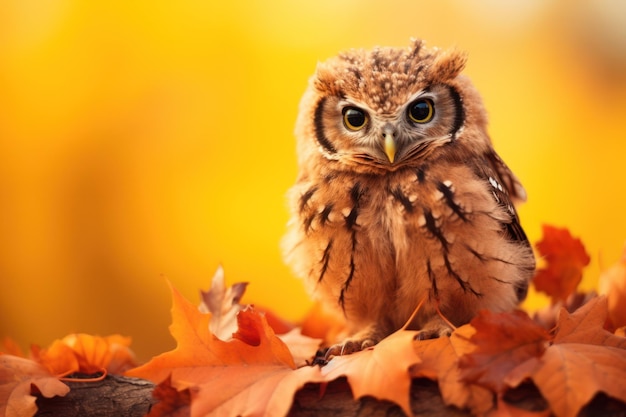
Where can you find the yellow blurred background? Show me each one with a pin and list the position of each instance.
(150, 139)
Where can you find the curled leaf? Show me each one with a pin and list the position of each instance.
(18, 376)
(223, 304)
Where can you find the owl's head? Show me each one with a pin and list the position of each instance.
(383, 109)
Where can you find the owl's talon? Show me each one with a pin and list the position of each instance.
(348, 347)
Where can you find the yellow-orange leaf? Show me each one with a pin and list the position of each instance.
(565, 258)
(197, 348)
(381, 371)
(17, 375)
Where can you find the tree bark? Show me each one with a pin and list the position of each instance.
(132, 397)
(113, 396)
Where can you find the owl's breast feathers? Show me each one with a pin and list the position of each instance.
(446, 233)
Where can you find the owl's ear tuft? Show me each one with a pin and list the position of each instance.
(325, 79)
(447, 65)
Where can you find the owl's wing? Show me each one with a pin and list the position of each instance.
(515, 188)
(507, 190)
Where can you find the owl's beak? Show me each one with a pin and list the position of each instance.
(390, 145)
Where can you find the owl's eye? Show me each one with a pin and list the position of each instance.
(421, 111)
(354, 119)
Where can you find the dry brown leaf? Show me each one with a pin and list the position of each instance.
(565, 258)
(613, 285)
(381, 371)
(223, 304)
(503, 341)
(17, 377)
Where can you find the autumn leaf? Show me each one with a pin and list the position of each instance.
(58, 358)
(380, 371)
(18, 376)
(86, 354)
(571, 374)
(565, 258)
(583, 361)
(548, 315)
(438, 360)
(223, 304)
(585, 325)
(613, 285)
(254, 371)
(302, 348)
(172, 402)
(503, 341)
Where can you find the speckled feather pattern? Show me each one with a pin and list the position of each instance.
(372, 237)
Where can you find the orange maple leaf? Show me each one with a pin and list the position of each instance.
(252, 374)
(565, 258)
(613, 285)
(503, 341)
(381, 371)
(18, 376)
(585, 325)
(571, 374)
(584, 360)
(438, 360)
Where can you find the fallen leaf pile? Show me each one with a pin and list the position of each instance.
(231, 359)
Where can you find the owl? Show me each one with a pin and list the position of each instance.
(401, 200)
